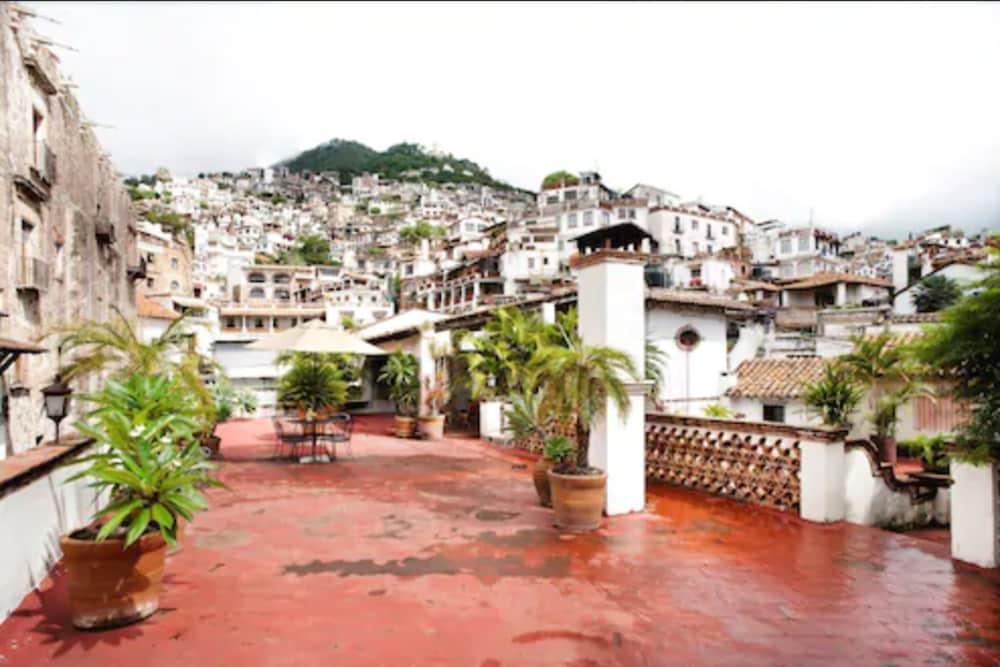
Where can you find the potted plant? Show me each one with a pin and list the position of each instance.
(834, 395)
(931, 450)
(436, 395)
(400, 377)
(313, 384)
(148, 467)
(528, 427)
(577, 382)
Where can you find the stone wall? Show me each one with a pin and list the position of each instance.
(65, 223)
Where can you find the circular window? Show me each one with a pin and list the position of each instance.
(688, 339)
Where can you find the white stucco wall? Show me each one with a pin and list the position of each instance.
(871, 502)
(32, 519)
(693, 379)
(974, 522)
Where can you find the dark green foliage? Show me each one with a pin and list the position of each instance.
(965, 350)
(561, 176)
(935, 293)
(309, 250)
(350, 159)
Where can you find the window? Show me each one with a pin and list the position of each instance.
(149, 283)
(258, 323)
(257, 293)
(694, 224)
(803, 243)
(174, 263)
(725, 230)
(622, 213)
(230, 322)
(588, 218)
(786, 246)
(571, 220)
(687, 338)
(697, 249)
(531, 263)
(174, 285)
(552, 199)
(631, 214)
(569, 195)
(677, 246)
(774, 413)
(545, 261)
(710, 249)
(605, 217)
(708, 230)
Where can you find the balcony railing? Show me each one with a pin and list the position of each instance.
(34, 274)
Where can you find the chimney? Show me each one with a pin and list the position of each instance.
(900, 269)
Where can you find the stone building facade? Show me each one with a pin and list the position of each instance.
(67, 236)
(168, 262)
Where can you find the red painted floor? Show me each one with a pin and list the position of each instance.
(417, 553)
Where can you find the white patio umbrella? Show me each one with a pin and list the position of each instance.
(318, 337)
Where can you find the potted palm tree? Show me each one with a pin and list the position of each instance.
(577, 383)
(529, 428)
(148, 468)
(400, 376)
(834, 395)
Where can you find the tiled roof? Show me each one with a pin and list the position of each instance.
(775, 378)
(746, 285)
(692, 298)
(832, 278)
(153, 310)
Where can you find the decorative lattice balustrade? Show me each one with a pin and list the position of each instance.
(749, 461)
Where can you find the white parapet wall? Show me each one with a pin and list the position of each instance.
(872, 501)
(975, 524)
(822, 479)
(34, 514)
(492, 420)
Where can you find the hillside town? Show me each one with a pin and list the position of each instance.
(293, 315)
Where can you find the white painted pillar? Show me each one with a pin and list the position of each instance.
(425, 357)
(975, 526)
(549, 312)
(841, 297)
(612, 310)
(822, 481)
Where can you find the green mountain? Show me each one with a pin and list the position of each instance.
(407, 162)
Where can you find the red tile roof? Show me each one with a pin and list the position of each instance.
(153, 310)
(775, 378)
(832, 278)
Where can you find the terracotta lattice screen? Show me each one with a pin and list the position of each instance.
(751, 465)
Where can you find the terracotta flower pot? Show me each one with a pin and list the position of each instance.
(432, 428)
(541, 478)
(402, 427)
(887, 449)
(110, 586)
(578, 500)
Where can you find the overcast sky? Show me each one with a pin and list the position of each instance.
(884, 117)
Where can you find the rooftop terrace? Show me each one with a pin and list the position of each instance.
(416, 552)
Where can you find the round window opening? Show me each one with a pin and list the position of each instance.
(688, 339)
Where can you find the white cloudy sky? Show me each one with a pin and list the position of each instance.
(882, 117)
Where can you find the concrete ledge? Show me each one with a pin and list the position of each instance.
(815, 433)
(21, 469)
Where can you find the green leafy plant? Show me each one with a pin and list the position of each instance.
(499, 362)
(559, 449)
(577, 383)
(935, 293)
(964, 350)
(148, 461)
(931, 449)
(524, 416)
(400, 376)
(835, 395)
(883, 367)
(656, 362)
(313, 383)
(717, 411)
(560, 177)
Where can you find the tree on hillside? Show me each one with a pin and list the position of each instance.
(309, 250)
(420, 231)
(935, 293)
(965, 349)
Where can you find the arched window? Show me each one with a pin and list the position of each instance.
(257, 278)
(282, 295)
(282, 279)
(257, 293)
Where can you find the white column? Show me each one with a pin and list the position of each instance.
(549, 312)
(822, 481)
(612, 309)
(425, 357)
(974, 508)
